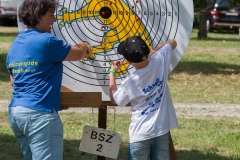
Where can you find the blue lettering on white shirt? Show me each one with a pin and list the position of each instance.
(151, 96)
(152, 104)
(149, 88)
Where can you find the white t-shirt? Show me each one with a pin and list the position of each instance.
(153, 113)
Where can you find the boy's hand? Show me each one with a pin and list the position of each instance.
(116, 65)
(156, 49)
(150, 54)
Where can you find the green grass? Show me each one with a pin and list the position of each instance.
(206, 78)
(197, 138)
(8, 34)
(212, 136)
(227, 40)
(7, 38)
(209, 71)
(5, 87)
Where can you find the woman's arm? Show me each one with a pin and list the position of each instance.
(79, 51)
(11, 79)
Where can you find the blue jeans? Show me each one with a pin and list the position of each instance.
(40, 134)
(154, 149)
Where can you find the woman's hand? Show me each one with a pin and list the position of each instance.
(88, 50)
(86, 47)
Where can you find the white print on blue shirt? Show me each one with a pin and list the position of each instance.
(149, 88)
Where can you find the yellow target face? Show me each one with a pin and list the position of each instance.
(118, 21)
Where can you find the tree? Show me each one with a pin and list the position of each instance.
(202, 32)
(233, 2)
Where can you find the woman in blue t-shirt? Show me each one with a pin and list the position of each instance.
(34, 63)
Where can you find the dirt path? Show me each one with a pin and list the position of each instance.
(216, 110)
(5, 45)
(8, 29)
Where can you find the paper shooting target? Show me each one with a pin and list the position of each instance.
(106, 23)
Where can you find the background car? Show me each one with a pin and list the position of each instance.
(221, 17)
(8, 11)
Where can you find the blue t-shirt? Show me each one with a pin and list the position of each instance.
(35, 61)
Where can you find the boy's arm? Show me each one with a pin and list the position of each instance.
(172, 42)
(112, 86)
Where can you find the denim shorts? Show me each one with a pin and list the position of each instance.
(154, 149)
(40, 134)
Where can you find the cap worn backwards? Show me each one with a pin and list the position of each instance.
(134, 49)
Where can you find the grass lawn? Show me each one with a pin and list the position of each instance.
(209, 72)
(197, 138)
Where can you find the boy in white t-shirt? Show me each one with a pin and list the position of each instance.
(153, 114)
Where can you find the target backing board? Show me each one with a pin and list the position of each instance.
(106, 23)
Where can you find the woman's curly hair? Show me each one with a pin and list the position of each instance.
(32, 10)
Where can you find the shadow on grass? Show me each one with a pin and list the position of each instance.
(198, 155)
(206, 68)
(10, 150)
(4, 75)
(3, 34)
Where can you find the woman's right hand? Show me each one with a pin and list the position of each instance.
(86, 47)
(88, 50)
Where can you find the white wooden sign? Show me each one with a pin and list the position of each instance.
(100, 142)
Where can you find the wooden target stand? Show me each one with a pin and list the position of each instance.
(94, 99)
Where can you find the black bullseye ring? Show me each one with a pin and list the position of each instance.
(105, 12)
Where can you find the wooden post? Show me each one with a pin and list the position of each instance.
(102, 122)
(202, 32)
(172, 149)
